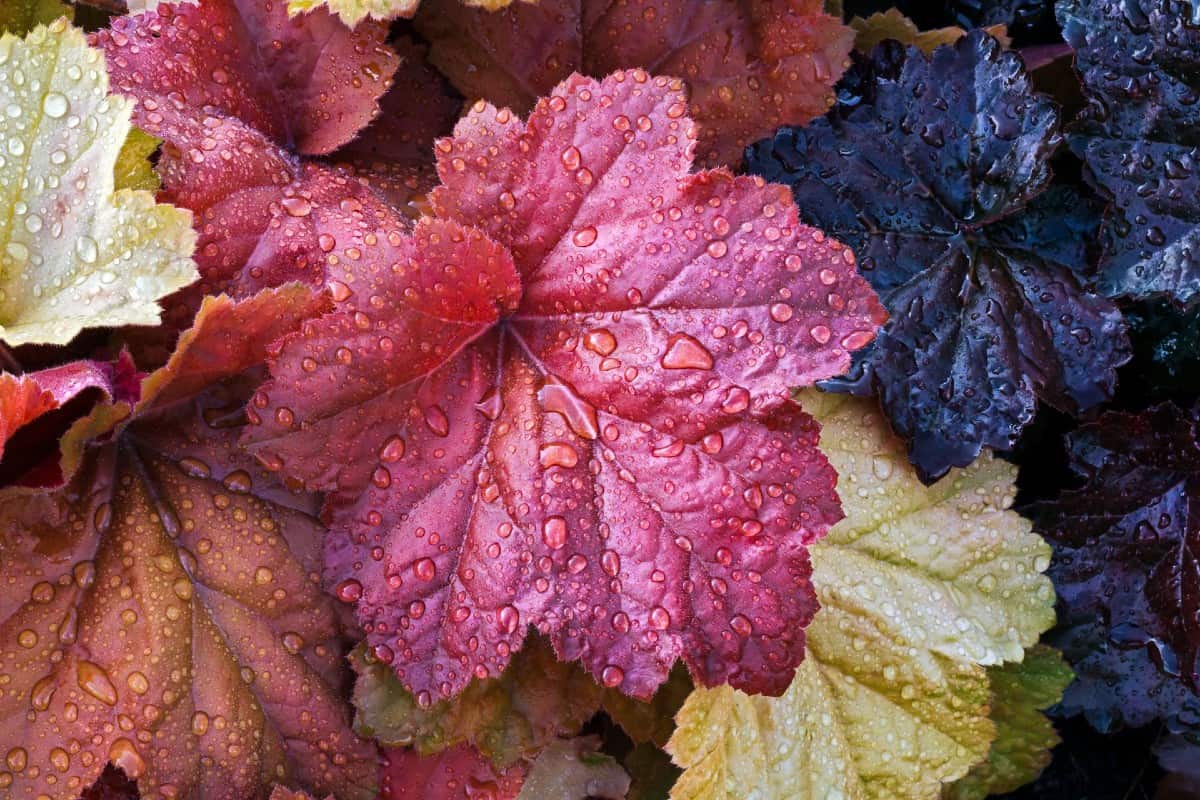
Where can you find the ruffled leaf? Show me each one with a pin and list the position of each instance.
(460, 773)
(919, 588)
(74, 252)
(1140, 64)
(307, 83)
(892, 24)
(944, 200)
(1024, 737)
(162, 612)
(750, 65)
(38, 407)
(1127, 567)
(21, 16)
(572, 769)
(508, 718)
(605, 350)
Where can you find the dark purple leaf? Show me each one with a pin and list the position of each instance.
(1140, 64)
(1127, 568)
(939, 180)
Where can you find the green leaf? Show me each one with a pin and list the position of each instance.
(514, 716)
(573, 769)
(133, 169)
(21, 16)
(75, 252)
(920, 588)
(1024, 737)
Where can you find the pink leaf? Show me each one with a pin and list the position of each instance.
(564, 402)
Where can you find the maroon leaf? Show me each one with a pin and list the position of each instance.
(750, 65)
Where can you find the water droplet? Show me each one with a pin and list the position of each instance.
(425, 569)
(717, 248)
(124, 756)
(781, 312)
(349, 591)
(87, 250)
(339, 291)
(684, 352)
(820, 334)
(554, 532)
(392, 450)
(138, 682)
(558, 454)
(296, 206)
(238, 481)
(610, 562)
(612, 676)
(600, 341)
(509, 618)
(857, 340)
(571, 158)
(557, 397)
(95, 681)
(741, 625)
(660, 618)
(584, 237)
(437, 421)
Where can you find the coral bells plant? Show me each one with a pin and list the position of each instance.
(561, 402)
(450, 400)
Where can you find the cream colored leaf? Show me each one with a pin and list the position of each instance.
(920, 587)
(74, 251)
(353, 12)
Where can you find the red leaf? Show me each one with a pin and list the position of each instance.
(162, 611)
(580, 423)
(308, 82)
(237, 89)
(750, 65)
(395, 154)
(38, 407)
(460, 773)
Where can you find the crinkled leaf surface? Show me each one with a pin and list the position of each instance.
(163, 612)
(919, 587)
(1127, 567)
(308, 83)
(37, 407)
(507, 718)
(892, 24)
(74, 252)
(1024, 737)
(21, 16)
(460, 773)
(537, 699)
(750, 65)
(939, 185)
(572, 769)
(1140, 64)
(573, 413)
(395, 153)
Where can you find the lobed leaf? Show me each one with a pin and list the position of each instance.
(946, 203)
(1126, 567)
(750, 65)
(533, 409)
(163, 613)
(75, 252)
(1024, 737)
(919, 588)
(1139, 61)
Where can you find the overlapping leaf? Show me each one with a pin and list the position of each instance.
(353, 12)
(750, 65)
(1127, 567)
(237, 90)
(36, 408)
(21, 16)
(74, 252)
(1024, 737)
(558, 397)
(460, 773)
(1140, 63)
(919, 588)
(892, 24)
(938, 180)
(162, 612)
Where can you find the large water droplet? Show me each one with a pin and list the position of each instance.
(684, 352)
(554, 532)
